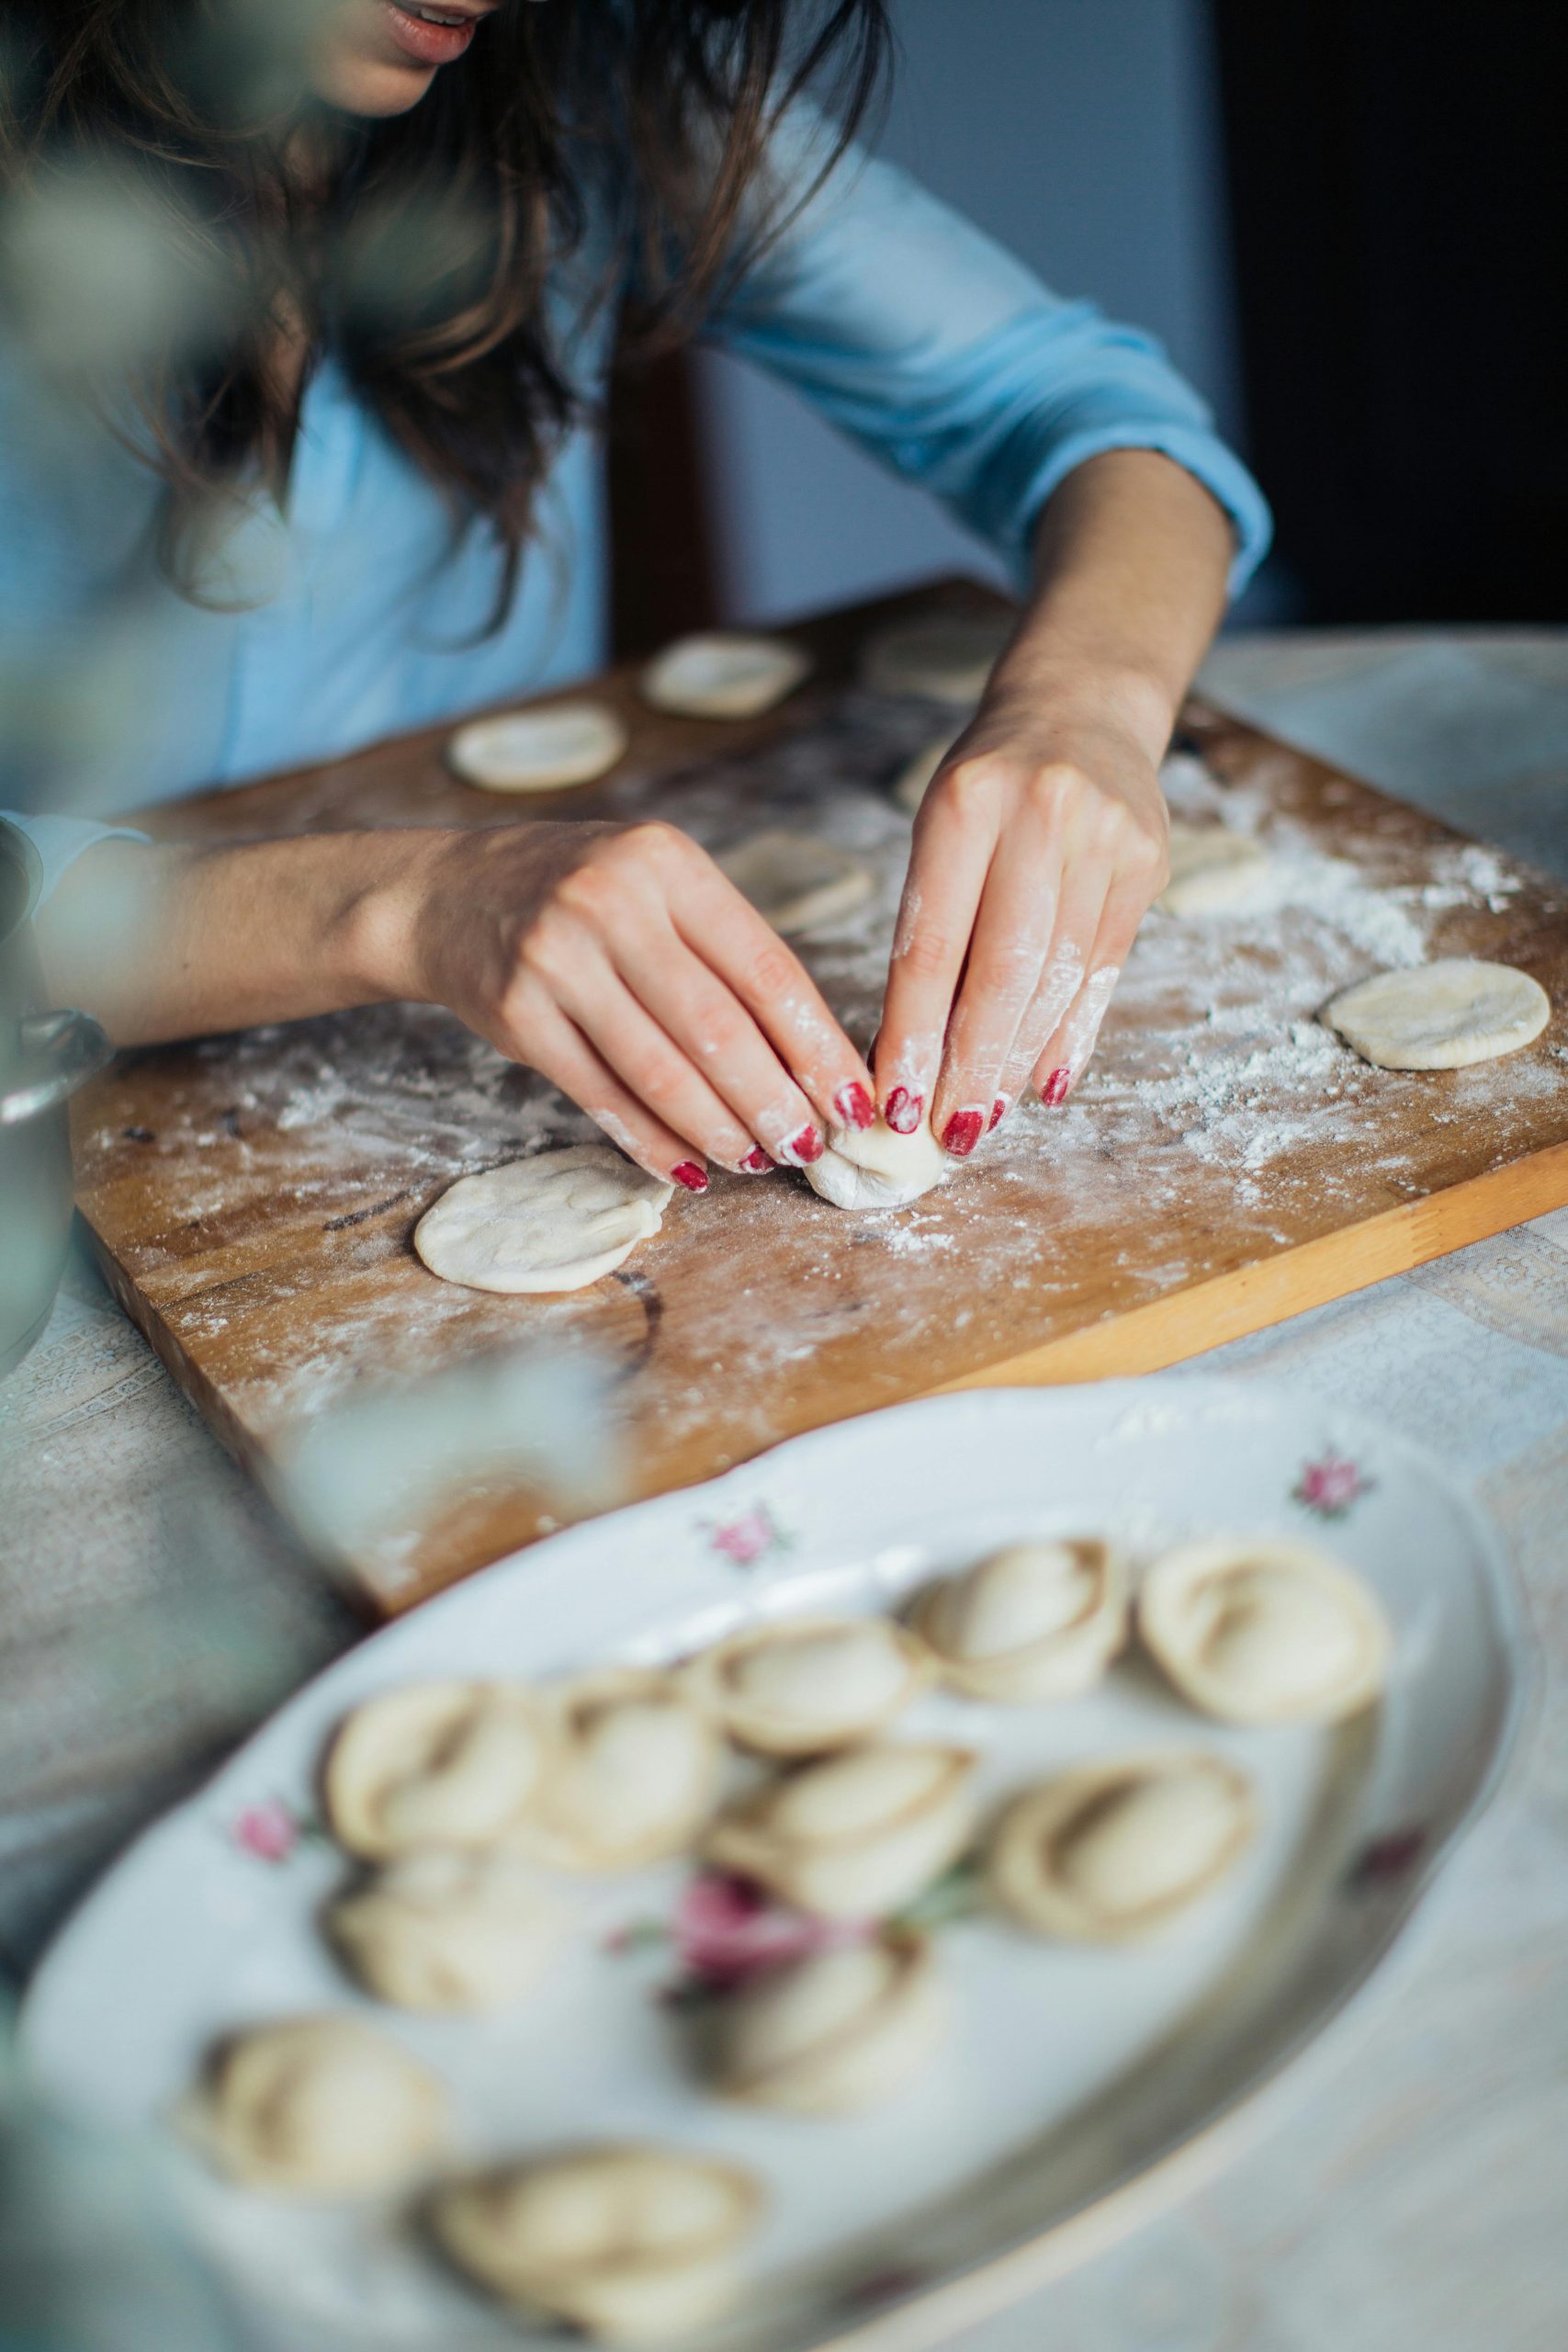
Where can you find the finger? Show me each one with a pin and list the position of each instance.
(936, 921)
(1083, 893)
(643, 1056)
(703, 1015)
(558, 1048)
(1007, 959)
(1070, 1049)
(726, 933)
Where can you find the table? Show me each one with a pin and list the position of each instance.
(151, 1611)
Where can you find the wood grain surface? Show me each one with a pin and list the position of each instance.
(1226, 1163)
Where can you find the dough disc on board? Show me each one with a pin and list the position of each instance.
(946, 660)
(1210, 868)
(875, 1167)
(1441, 1016)
(538, 750)
(722, 676)
(553, 1223)
(915, 781)
(796, 882)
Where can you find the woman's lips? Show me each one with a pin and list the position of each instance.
(427, 43)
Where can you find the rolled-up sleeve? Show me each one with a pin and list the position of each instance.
(60, 841)
(948, 360)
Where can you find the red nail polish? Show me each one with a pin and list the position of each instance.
(805, 1146)
(688, 1173)
(903, 1112)
(1057, 1086)
(756, 1162)
(855, 1105)
(998, 1112)
(962, 1132)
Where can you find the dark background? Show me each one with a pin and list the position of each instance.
(1347, 219)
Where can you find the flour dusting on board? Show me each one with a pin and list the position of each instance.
(1219, 1121)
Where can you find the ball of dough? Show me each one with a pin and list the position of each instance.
(947, 661)
(538, 750)
(915, 781)
(875, 1167)
(555, 1222)
(318, 2106)
(451, 1932)
(1441, 1016)
(724, 676)
(796, 882)
(1210, 868)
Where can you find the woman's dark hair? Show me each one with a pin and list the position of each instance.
(420, 246)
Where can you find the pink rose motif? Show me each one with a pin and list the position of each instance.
(1331, 1486)
(889, 2285)
(1387, 1859)
(726, 1931)
(268, 1831)
(745, 1541)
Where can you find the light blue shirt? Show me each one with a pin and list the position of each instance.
(349, 616)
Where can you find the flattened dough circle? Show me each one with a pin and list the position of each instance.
(946, 660)
(553, 1223)
(875, 1167)
(1441, 1016)
(723, 675)
(1210, 868)
(538, 750)
(915, 781)
(796, 882)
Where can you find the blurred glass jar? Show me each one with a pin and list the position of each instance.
(44, 1057)
(91, 2258)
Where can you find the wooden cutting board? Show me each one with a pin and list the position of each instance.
(1226, 1163)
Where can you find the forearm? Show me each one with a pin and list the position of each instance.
(1131, 555)
(177, 941)
(1041, 841)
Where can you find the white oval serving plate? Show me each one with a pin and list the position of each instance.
(1079, 2085)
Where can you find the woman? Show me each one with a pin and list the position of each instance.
(342, 485)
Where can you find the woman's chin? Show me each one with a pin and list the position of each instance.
(359, 87)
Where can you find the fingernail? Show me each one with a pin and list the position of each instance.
(693, 1178)
(804, 1148)
(998, 1112)
(903, 1112)
(962, 1132)
(1057, 1086)
(855, 1105)
(756, 1162)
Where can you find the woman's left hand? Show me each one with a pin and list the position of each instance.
(1038, 849)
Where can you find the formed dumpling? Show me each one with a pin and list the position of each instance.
(447, 1930)
(637, 2245)
(877, 1167)
(318, 2106)
(634, 1776)
(835, 2031)
(1265, 1632)
(804, 1688)
(1114, 1849)
(435, 1764)
(1036, 1621)
(857, 1836)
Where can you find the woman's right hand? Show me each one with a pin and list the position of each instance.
(619, 962)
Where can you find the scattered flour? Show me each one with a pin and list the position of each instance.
(295, 1160)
